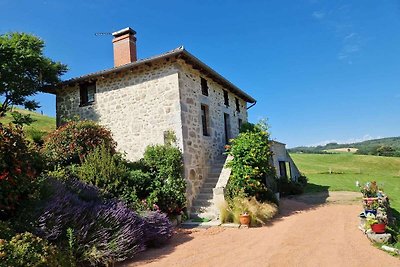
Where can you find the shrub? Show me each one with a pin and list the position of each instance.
(17, 171)
(291, 188)
(157, 228)
(302, 180)
(74, 140)
(140, 182)
(168, 196)
(168, 187)
(260, 212)
(27, 250)
(6, 231)
(164, 161)
(251, 163)
(102, 231)
(103, 169)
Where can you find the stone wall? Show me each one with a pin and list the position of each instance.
(137, 106)
(280, 154)
(200, 151)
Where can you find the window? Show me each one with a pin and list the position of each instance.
(240, 122)
(87, 91)
(227, 127)
(204, 87)
(237, 104)
(284, 170)
(204, 119)
(226, 98)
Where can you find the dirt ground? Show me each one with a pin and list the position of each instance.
(311, 230)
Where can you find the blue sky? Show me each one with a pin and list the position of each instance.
(321, 70)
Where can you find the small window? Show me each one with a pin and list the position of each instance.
(87, 91)
(204, 119)
(204, 87)
(240, 122)
(237, 104)
(226, 98)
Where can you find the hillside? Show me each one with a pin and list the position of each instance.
(389, 146)
(341, 171)
(42, 125)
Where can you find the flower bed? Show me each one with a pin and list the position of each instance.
(377, 221)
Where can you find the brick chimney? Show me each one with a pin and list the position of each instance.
(124, 44)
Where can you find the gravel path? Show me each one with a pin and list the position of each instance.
(305, 234)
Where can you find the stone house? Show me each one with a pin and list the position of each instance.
(140, 101)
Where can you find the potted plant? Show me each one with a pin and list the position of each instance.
(377, 223)
(245, 219)
(371, 207)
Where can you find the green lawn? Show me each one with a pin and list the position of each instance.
(44, 124)
(341, 171)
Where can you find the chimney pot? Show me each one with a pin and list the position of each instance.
(124, 44)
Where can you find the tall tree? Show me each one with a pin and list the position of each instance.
(24, 70)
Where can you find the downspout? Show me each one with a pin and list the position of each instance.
(252, 105)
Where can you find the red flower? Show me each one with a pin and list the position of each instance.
(3, 175)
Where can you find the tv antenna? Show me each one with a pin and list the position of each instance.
(102, 33)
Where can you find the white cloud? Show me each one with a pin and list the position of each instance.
(318, 15)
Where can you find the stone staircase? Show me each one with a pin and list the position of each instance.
(203, 205)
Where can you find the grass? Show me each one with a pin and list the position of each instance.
(43, 124)
(339, 172)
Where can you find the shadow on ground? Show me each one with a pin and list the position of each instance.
(154, 254)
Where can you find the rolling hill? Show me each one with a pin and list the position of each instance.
(42, 126)
(389, 146)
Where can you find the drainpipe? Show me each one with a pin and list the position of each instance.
(252, 105)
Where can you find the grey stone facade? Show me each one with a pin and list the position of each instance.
(140, 104)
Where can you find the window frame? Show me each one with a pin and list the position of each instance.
(226, 98)
(204, 86)
(205, 119)
(237, 104)
(84, 93)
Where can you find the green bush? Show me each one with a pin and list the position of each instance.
(103, 169)
(291, 188)
(71, 142)
(168, 186)
(27, 250)
(251, 163)
(6, 231)
(17, 169)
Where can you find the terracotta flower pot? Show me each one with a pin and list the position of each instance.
(244, 219)
(378, 228)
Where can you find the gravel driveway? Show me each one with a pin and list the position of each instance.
(312, 230)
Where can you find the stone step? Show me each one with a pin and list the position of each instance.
(213, 175)
(202, 203)
(208, 185)
(204, 196)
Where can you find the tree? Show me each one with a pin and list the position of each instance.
(24, 70)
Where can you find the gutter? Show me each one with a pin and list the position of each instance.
(252, 105)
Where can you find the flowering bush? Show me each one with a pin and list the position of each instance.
(27, 250)
(251, 163)
(158, 228)
(17, 172)
(74, 140)
(102, 231)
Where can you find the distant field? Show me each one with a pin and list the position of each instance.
(44, 124)
(340, 171)
(343, 150)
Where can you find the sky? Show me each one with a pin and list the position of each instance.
(321, 71)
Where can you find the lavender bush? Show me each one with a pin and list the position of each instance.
(103, 231)
(157, 228)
